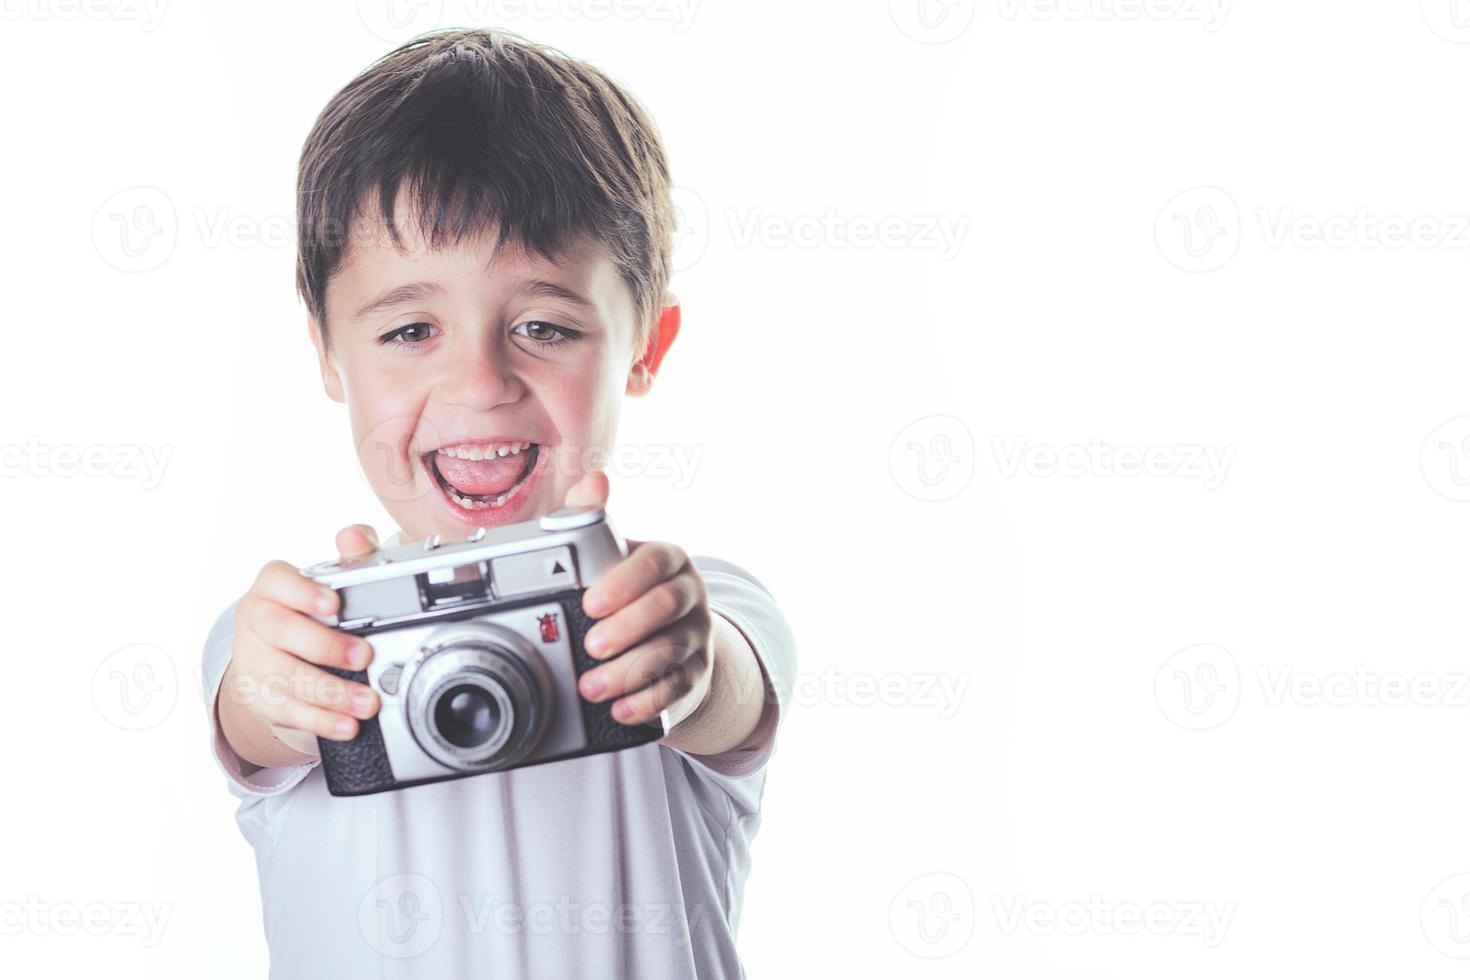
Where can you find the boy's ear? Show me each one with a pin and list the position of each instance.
(331, 380)
(640, 377)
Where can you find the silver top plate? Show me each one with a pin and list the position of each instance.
(563, 526)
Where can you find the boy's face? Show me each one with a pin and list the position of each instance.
(480, 387)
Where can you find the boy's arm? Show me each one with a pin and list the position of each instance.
(731, 710)
(254, 741)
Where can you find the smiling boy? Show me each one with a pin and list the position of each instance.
(484, 231)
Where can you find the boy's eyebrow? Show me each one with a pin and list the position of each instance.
(541, 287)
(416, 291)
(409, 293)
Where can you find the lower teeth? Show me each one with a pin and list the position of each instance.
(469, 504)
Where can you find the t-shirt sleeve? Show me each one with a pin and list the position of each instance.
(245, 780)
(739, 598)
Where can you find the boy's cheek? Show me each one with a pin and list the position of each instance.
(387, 451)
(389, 436)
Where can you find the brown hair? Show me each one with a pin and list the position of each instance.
(484, 128)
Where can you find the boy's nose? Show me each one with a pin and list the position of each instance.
(480, 382)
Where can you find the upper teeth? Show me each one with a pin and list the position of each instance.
(487, 451)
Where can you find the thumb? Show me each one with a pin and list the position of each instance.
(590, 491)
(356, 540)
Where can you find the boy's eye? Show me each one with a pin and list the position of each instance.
(546, 334)
(408, 336)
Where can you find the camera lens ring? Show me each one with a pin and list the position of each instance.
(516, 707)
(502, 667)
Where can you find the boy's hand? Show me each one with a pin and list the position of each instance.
(274, 677)
(656, 622)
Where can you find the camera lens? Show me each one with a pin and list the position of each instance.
(467, 716)
(478, 698)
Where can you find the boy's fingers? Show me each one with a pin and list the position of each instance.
(645, 705)
(311, 685)
(639, 667)
(309, 640)
(590, 491)
(356, 540)
(663, 604)
(318, 721)
(647, 565)
(280, 679)
(284, 585)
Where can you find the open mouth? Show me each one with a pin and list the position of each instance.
(483, 476)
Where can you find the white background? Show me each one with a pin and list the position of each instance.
(1228, 702)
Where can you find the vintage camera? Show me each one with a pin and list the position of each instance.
(477, 648)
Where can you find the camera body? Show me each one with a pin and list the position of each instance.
(477, 649)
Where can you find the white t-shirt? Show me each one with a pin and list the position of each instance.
(628, 864)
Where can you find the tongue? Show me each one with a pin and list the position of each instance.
(481, 477)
